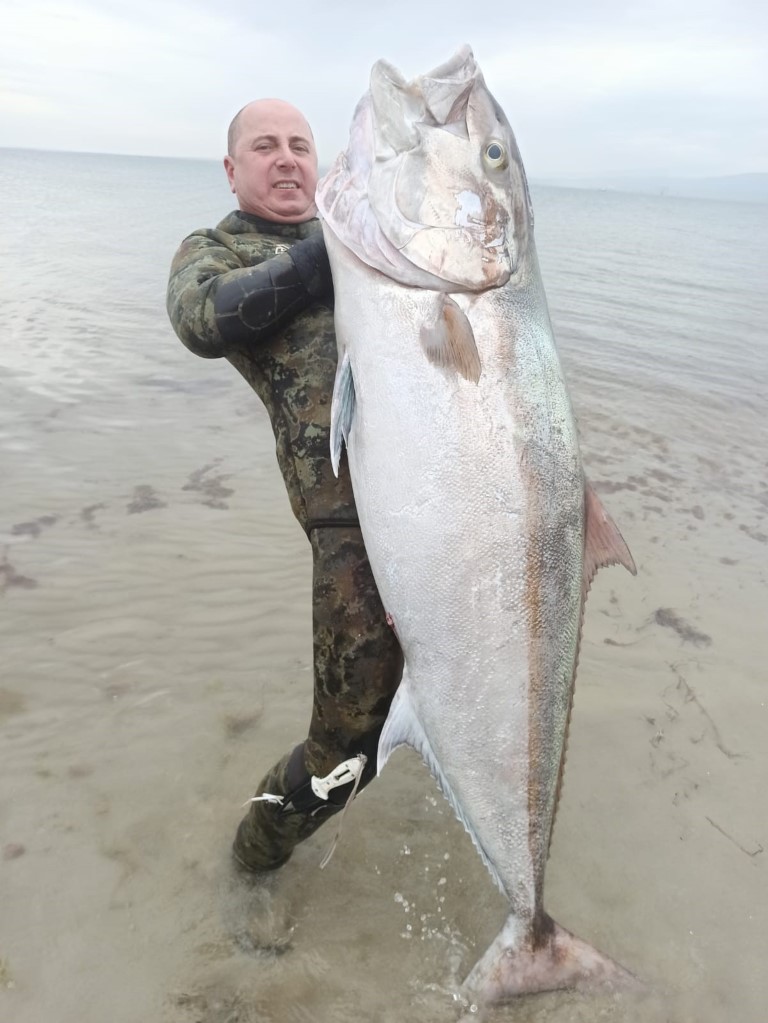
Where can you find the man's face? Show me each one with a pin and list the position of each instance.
(273, 167)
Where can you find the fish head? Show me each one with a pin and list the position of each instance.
(446, 184)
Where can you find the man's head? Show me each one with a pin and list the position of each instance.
(272, 162)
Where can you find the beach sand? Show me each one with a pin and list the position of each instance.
(155, 629)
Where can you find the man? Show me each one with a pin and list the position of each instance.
(257, 290)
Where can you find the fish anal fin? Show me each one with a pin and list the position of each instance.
(403, 728)
(517, 964)
(342, 410)
(604, 543)
(450, 341)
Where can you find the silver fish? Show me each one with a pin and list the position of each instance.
(481, 529)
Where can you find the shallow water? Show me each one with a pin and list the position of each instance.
(155, 629)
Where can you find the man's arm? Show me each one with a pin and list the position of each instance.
(216, 304)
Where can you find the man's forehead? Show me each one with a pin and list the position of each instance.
(293, 136)
(275, 118)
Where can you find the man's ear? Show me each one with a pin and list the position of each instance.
(229, 167)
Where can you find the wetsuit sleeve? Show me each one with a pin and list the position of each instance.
(217, 304)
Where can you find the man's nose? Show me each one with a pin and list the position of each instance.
(285, 157)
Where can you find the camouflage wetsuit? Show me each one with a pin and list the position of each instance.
(260, 294)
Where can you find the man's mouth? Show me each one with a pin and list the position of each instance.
(286, 184)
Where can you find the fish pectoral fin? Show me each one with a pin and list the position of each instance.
(515, 964)
(604, 543)
(450, 341)
(342, 410)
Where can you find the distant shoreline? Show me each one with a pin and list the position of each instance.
(730, 187)
(747, 187)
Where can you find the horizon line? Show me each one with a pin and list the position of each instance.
(542, 178)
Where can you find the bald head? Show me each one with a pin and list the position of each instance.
(264, 108)
(271, 161)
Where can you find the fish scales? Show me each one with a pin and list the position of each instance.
(464, 457)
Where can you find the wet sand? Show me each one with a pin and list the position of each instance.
(156, 638)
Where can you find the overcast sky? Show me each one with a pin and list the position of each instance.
(590, 87)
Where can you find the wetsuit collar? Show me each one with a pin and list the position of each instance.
(302, 230)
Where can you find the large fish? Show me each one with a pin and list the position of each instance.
(481, 530)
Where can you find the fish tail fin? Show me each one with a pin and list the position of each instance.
(524, 960)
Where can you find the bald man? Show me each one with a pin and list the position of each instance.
(257, 291)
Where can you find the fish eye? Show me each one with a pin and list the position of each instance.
(495, 156)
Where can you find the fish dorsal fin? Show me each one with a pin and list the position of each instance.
(342, 410)
(604, 543)
(450, 341)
